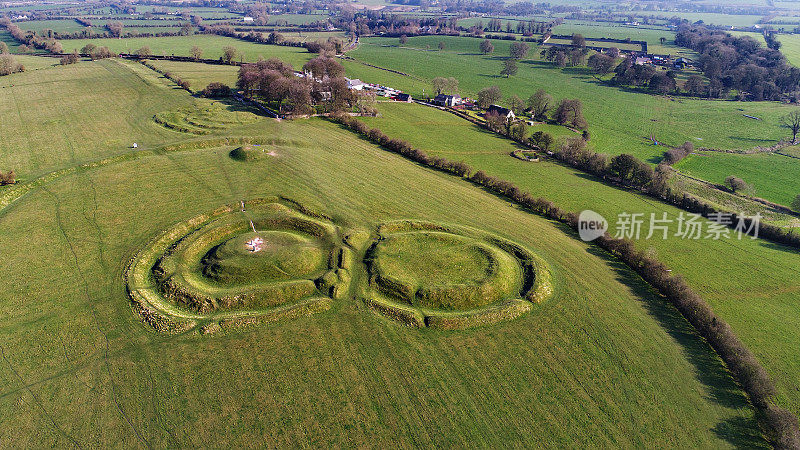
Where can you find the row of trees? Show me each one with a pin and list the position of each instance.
(781, 425)
(30, 39)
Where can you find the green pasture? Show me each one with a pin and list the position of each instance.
(57, 25)
(790, 46)
(47, 98)
(772, 176)
(199, 75)
(620, 121)
(211, 45)
(762, 306)
(604, 362)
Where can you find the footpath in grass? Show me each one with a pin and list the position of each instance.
(762, 306)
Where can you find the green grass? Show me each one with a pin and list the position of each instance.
(773, 177)
(790, 46)
(47, 98)
(760, 306)
(619, 121)
(604, 362)
(57, 25)
(199, 75)
(210, 44)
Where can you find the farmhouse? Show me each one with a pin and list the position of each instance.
(247, 19)
(355, 84)
(447, 100)
(403, 98)
(502, 112)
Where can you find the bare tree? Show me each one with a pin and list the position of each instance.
(792, 122)
(197, 52)
(540, 103)
(486, 47)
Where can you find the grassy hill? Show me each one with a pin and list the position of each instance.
(604, 362)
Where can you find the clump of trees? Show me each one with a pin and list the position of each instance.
(736, 184)
(489, 96)
(274, 81)
(96, 52)
(216, 90)
(71, 58)
(740, 63)
(570, 112)
(9, 65)
(7, 178)
(673, 155)
(442, 85)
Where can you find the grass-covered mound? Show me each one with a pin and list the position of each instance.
(204, 117)
(239, 264)
(424, 274)
(248, 153)
(283, 255)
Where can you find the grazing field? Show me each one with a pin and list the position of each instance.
(649, 35)
(58, 25)
(790, 46)
(762, 307)
(211, 45)
(620, 121)
(772, 176)
(199, 75)
(47, 98)
(603, 362)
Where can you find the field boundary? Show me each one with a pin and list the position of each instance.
(779, 425)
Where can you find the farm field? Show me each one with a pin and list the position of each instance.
(199, 75)
(651, 36)
(772, 176)
(790, 46)
(603, 362)
(211, 45)
(59, 26)
(47, 97)
(619, 125)
(752, 304)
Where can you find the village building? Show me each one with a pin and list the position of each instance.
(447, 100)
(502, 112)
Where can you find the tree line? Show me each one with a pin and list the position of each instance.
(740, 63)
(779, 424)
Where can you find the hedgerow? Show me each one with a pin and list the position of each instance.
(780, 425)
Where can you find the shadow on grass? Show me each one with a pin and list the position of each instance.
(709, 368)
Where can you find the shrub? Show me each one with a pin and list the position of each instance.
(9, 177)
(216, 90)
(735, 184)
